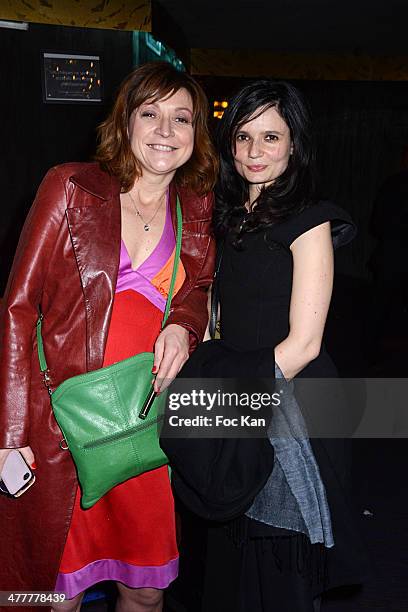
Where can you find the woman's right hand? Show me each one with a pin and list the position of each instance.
(25, 451)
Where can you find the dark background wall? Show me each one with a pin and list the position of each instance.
(35, 135)
(361, 133)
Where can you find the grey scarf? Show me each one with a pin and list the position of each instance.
(294, 496)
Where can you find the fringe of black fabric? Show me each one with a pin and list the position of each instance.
(291, 551)
(238, 530)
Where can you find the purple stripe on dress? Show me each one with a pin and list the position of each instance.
(133, 576)
(142, 285)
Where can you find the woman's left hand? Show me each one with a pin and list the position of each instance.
(170, 354)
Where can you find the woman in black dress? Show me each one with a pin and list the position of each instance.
(275, 285)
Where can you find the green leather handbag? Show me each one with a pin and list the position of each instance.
(111, 417)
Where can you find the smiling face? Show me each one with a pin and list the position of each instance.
(261, 150)
(161, 133)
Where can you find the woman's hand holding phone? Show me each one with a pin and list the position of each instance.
(25, 451)
(15, 470)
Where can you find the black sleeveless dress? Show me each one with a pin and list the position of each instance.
(270, 568)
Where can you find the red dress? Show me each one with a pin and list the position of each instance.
(129, 535)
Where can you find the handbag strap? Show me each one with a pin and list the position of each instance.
(215, 291)
(40, 346)
(176, 262)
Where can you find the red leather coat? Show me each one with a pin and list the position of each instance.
(66, 265)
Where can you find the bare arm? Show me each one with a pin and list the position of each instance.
(311, 292)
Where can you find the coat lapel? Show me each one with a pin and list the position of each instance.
(173, 193)
(94, 221)
(195, 244)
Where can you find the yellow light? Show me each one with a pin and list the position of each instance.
(216, 103)
(224, 104)
(73, 77)
(218, 114)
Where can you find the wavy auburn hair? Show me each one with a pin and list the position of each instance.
(155, 81)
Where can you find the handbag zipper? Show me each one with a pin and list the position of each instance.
(121, 434)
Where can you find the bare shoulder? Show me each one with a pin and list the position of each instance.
(315, 238)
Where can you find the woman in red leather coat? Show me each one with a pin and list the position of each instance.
(94, 259)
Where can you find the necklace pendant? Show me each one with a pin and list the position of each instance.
(146, 227)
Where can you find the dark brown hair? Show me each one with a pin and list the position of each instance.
(155, 81)
(290, 192)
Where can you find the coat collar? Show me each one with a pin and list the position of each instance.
(92, 179)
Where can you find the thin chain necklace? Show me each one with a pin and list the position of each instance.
(146, 224)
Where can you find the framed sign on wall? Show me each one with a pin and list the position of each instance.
(71, 78)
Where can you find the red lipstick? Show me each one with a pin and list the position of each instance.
(256, 168)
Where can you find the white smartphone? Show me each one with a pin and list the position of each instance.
(16, 476)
